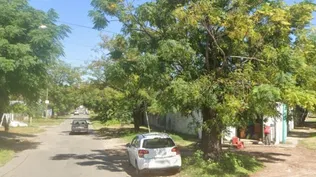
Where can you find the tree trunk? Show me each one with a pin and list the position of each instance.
(6, 125)
(136, 117)
(300, 116)
(211, 134)
(4, 102)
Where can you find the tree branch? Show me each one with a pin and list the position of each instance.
(214, 39)
(142, 27)
(249, 58)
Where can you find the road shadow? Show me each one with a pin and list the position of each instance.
(299, 134)
(4, 134)
(114, 160)
(266, 157)
(109, 133)
(305, 131)
(17, 145)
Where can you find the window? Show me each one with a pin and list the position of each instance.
(158, 143)
(137, 143)
(78, 122)
(134, 141)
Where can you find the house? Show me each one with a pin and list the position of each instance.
(191, 125)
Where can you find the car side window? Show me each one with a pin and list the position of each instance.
(134, 141)
(137, 143)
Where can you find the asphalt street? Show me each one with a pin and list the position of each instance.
(60, 154)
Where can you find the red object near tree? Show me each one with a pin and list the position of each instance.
(237, 143)
(266, 129)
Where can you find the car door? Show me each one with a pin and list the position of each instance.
(136, 148)
(131, 150)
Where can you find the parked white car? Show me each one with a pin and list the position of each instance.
(153, 151)
(15, 123)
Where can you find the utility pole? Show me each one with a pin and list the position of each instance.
(147, 117)
(46, 102)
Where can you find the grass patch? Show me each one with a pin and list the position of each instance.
(130, 133)
(35, 127)
(9, 145)
(115, 129)
(230, 165)
(22, 130)
(37, 122)
(127, 133)
(310, 142)
(5, 156)
(97, 124)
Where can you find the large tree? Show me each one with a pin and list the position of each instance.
(26, 49)
(229, 59)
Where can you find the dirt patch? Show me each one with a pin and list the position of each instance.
(288, 161)
(278, 161)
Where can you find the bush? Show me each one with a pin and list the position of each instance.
(230, 164)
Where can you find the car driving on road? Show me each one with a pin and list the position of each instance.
(153, 151)
(76, 112)
(79, 126)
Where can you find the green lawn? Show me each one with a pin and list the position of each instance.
(35, 127)
(37, 122)
(5, 156)
(127, 133)
(231, 164)
(22, 130)
(309, 142)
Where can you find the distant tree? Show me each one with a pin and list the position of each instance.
(64, 87)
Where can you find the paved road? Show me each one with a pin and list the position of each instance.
(62, 155)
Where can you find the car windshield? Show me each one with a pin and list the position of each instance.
(78, 122)
(158, 143)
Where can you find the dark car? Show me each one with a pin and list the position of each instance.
(79, 126)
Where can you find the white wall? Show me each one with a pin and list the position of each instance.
(230, 133)
(178, 123)
(276, 124)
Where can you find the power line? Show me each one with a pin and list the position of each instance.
(79, 44)
(85, 60)
(87, 27)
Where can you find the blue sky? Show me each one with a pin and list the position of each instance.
(81, 42)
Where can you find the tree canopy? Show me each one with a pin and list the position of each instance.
(26, 49)
(230, 59)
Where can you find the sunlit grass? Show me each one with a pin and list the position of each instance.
(230, 165)
(310, 142)
(47, 121)
(5, 156)
(23, 130)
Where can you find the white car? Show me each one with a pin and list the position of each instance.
(76, 112)
(17, 124)
(153, 151)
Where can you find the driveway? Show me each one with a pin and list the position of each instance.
(63, 155)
